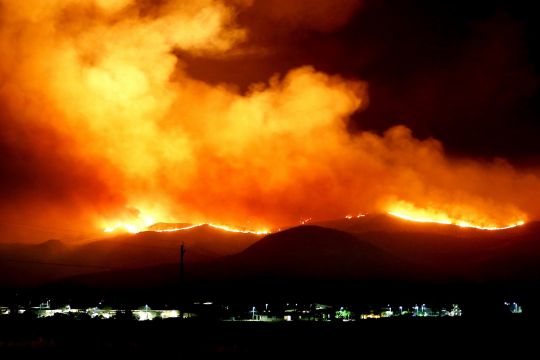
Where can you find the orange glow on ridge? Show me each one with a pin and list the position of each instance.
(220, 227)
(407, 211)
(145, 224)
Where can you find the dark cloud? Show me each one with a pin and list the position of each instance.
(465, 73)
(278, 17)
(41, 177)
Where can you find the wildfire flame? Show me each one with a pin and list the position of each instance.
(409, 212)
(133, 228)
(220, 227)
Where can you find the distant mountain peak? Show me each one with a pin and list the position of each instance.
(52, 244)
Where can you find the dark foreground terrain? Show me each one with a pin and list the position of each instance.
(430, 337)
(364, 261)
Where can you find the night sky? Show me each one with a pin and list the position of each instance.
(463, 72)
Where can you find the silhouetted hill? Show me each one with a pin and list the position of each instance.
(391, 224)
(518, 258)
(202, 243)
(456, 252)
(209, 239)
(312, 252)
(31, 264)
(34, 264)
(315, 259)
(379, 255)
(300, 257)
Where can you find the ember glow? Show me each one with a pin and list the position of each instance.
(101, 108)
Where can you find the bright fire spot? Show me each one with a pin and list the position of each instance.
(349, 217)
(411, 213)
(131, 228)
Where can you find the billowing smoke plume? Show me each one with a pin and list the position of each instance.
(101, 123)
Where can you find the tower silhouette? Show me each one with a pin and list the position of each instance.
(182, 252)
(181, 285)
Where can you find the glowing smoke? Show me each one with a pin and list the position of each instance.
(102, 79)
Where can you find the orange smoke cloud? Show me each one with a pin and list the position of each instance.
(103, 79)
